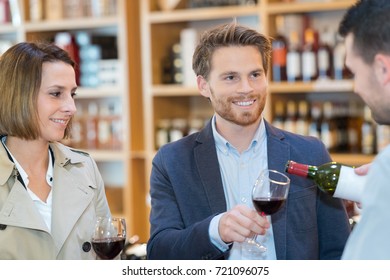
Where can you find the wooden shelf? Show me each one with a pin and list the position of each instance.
(317, 86)
(67, 24)
(199, 14)
(100, 92)
(352, 159)
(305, 7)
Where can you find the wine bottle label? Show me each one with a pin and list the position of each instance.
(350, 185)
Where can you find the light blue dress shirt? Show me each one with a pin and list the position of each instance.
(239, 173)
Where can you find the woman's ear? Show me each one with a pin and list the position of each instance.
(203, 86)
(382, 68)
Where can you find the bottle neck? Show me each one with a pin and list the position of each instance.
(302, 170)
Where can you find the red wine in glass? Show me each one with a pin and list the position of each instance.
(108, 238)
(108, 248)
(268, 206)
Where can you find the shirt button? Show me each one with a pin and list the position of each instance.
(243, 199)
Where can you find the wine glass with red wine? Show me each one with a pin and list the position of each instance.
(268, 195)
(109, 237)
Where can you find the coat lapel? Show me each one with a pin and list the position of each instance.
(19, 210)
(208, 167)
(278, 154)
(70, 197)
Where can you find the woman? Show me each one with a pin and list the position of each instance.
(50, 194)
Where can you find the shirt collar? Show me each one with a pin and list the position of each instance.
(223, 145)
(23, 174)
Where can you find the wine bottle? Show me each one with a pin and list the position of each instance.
(332, 178)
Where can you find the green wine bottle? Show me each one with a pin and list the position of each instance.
(332, 178)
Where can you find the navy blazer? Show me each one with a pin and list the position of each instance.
(186, 193)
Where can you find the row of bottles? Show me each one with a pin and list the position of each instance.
(341, 126)
(98, 126)
(307, 57)
(169, 130)
(63, 9)
(96, 55)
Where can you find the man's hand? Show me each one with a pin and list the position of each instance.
(363, 170)
(240, 223)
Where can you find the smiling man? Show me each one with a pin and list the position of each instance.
(201, 185)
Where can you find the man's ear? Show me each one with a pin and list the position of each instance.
(203, 86)
(382, 68)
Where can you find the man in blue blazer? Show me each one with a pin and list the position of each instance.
(201, 184)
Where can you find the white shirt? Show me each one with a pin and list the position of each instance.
(369, 239)
(239, 173)
(44, 208)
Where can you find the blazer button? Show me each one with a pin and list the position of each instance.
(3, 227)
(87, 246)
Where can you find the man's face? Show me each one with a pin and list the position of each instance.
(370, 81)
(237, 85)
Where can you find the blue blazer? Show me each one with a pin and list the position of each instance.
(186, 193)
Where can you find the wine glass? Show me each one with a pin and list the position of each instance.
(268, 195)
(108, 238)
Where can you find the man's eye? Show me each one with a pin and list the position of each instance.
(229, 78)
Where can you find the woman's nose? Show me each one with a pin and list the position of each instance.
(70, 105)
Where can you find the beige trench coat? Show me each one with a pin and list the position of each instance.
(78, 197)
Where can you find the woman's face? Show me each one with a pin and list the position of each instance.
(56, 104)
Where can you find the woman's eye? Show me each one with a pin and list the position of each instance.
(56, 94)
(73, 94)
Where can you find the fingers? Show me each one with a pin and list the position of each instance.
(240, 223)
(363, 170)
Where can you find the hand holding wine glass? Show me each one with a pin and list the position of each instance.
(268, 196)
(109, 237)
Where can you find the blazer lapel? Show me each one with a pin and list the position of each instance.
(278, 154)
(208, 167)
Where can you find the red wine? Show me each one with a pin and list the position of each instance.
(108, 248)
(268, 206)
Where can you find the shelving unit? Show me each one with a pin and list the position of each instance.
(160, 29)
(119, 168)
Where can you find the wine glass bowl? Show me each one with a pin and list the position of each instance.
(109, 237)
(268, 196)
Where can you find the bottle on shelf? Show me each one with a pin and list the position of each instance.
(293, 61)
(278, 120)
(291, 118)
(302, 123)
(309, 56)
(368, 132)
(178, 129)
(325, 54)
(162, 132)
(339, 68)
(354, 127)
(104, 135)
(315, 122)
(332, 178)
(279, 52)
(328, 128)
(91, 126)
(66, 41)
(78, 128)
